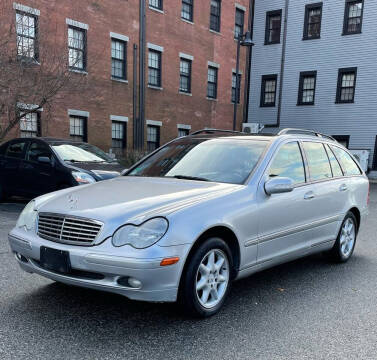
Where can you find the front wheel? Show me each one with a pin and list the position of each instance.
(207, 279)
(346, 240)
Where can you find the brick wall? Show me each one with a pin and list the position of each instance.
(103, 96)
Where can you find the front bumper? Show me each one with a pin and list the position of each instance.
(105, 268)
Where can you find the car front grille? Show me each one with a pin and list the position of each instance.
(68, 229)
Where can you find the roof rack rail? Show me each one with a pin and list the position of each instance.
(304, 132)
(211, 131)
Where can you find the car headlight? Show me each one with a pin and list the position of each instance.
(141, 236)
(28, 217)
(83, 178)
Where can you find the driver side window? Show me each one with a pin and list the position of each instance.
(36, 150)
(288, 163)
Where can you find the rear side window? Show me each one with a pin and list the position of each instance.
(288, 163)
(16, 150)
(318, 162)
(36, 150)
(348, 164)
(336, 169)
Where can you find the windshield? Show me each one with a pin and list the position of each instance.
(218, 160)
(80, 152)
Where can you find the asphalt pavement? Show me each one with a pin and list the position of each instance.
(307, 309)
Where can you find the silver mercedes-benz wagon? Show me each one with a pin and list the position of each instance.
(196, 214)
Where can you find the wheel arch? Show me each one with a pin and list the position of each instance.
(226, 234)
(356, 212)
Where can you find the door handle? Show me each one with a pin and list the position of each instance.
(309, 195)
(343, 187)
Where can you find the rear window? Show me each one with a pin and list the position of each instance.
(336, 169)
(349, 166)
(318, 162)
(16, 150)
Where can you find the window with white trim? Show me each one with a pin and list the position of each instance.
(78, 128)
(212, 82)
(118, 59)
(236, 94)
(76, 48)
(239, 23)
(154, 68)
(30, 125)
(156, 4)
(118, 136)
(187, 11)
(153, 137)
(185, 76)
(183, 132)
(27, 31)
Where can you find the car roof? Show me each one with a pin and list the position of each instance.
(285, 133)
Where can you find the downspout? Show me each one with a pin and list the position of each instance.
(282, 67)
(134, 99)
(142, 45)
(248, 62)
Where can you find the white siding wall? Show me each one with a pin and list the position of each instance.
(326, 56)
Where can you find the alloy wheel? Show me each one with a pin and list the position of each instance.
(212, 278)
(347, 237)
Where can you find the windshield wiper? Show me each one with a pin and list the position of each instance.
(186, 177)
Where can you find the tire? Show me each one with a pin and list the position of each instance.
(203, 272)
(346, 240)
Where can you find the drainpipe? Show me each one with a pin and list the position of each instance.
(142, 45)
(134, 98)
(248, 62)
(282, 67)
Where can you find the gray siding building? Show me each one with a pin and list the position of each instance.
(324, 61)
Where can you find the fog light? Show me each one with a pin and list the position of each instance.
(134, 283)
(21, 257)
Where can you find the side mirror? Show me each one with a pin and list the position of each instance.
(278, 185)
(44, 160)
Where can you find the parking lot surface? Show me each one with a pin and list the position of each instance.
(307, 309)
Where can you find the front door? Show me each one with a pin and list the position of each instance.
(38, 177)
(284, 219)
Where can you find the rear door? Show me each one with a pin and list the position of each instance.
(38, 178)
(325, 202)
(14, 154)
(349, 191)
(284, 219)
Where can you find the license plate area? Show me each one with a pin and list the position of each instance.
(55, 260)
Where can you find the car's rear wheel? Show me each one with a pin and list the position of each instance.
(346, 240)
(207, 278)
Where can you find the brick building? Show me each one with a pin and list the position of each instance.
(190, 61)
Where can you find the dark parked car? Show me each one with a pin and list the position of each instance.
(31, 167)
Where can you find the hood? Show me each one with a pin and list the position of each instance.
(101, 171)
(131, 199)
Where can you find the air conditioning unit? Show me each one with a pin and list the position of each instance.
(362, 156)
(250, 128)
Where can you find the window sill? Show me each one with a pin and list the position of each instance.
(267, 106)
(79, 71)
(28, 60)
(120, 80)
(187, 21)
(185, 93)
(155, 87)
(344, 102)
(211, 99)
(157, 10)
(305, 104)
(215, 32)
(310, 38)
(351, 33)
(272, 43)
